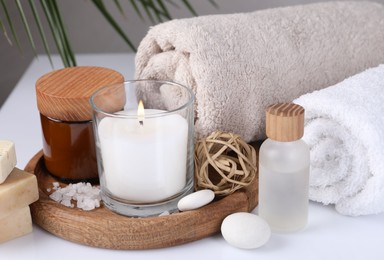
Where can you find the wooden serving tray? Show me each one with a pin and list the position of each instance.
(106, 229)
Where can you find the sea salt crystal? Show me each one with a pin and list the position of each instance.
(88, 204)
(67, 203)
(87, 196)
(56, 196)
(165, 213)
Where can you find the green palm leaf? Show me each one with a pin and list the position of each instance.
(119, 7)
(58, 32)
(100, 5)
(41, 30)
(136, 8)
(155, 10)
(146, 7)
(5, 32)
(189, 6)
(10, 24)
(63, 34)
(160, 12)
(26, 26)
(213, 3)
(165, 10)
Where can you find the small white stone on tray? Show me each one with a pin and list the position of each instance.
(245, 230)
(196, 200)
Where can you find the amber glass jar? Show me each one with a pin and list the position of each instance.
(65, 113)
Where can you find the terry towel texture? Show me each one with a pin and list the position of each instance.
(344, 127)
(238, 64)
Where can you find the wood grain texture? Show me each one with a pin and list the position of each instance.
(64, 94)
(106, 229)
(284, 122)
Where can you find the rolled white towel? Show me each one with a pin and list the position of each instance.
(238, 64)
(344, 127)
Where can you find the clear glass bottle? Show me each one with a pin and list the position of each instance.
(284, 169)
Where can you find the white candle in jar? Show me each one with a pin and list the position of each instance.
(144, 162)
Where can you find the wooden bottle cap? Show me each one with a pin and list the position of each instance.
(64, 94)
(285, 122)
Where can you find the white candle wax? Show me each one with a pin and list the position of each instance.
(144, 163)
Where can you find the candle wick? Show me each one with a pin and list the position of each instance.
(141, 122)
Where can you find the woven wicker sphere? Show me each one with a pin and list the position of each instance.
(224, 163)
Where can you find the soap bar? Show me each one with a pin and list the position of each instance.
(16, 224)
(7, 159)
(19, 190)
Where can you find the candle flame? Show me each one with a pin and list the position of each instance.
(140, 112)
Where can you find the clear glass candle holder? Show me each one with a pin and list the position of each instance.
(145, 150)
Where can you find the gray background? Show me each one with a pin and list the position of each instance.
(90, 33)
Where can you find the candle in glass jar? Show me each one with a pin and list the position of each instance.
(144, 160)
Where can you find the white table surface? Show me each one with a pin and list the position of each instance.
(327, 236)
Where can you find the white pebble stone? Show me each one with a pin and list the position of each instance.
(245, 230)
(196, 200)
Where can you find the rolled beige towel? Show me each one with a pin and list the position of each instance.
(238, 64)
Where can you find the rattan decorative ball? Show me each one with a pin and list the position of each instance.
(224, 163)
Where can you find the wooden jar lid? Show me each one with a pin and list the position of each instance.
(64, 94)
(285, 122)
